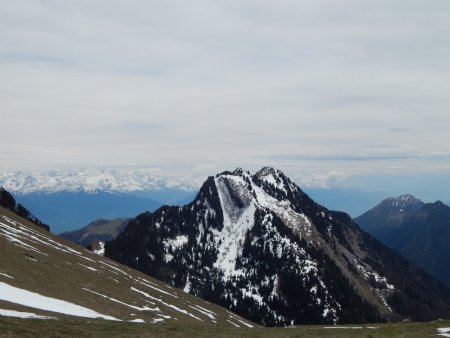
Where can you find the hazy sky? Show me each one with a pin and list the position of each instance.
(324, 90)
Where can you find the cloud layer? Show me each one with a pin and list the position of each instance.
(314, 87)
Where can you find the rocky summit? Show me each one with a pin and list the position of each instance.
(259, 246)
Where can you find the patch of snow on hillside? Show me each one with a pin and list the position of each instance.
(88, 267)
(176, 308)
(382, 287)
(22, 232)
(206, 313)
(143, 308)
(444, 331)
(35, 300)
(137, 320)
(177, 242)
(19, 314)
(6, 275)
(154, 287)
(116, 269)
(234, 317)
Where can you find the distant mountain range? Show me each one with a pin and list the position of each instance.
(259, 246)
(91, 181)
(419, 231)
(388, 215)
(68, 200)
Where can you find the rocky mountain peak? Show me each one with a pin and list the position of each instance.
(403, 201)
(259, 246)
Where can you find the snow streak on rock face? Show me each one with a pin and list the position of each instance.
(237, 220)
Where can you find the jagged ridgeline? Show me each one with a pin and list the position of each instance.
(262, 248)
(7, 201)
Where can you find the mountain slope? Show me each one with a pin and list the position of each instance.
(388, 214)
(423, 237)
(259, 246)
(43, 274)
(101, 229)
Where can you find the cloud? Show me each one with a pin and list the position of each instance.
(313, 86)
(322, 180)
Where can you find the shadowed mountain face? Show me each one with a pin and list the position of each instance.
(421, 234)
(46, 276)
(101, 230)
(258, 245)
(388, 215)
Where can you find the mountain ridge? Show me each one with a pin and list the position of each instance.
(91, 180)
(258, 245)
(386, 215)
(422, 236)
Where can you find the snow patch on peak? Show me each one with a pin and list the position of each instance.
(273, 177)
(177, 242)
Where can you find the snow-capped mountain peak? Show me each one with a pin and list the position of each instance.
(260, 246)
(401, 203)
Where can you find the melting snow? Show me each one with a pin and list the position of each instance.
(6, 275)
(153, 286)
(19, 314)
(116, 269)
(21, 231)
(444, 331)
(229, 321)
(137, 320)
(27, 298)
(88, 267)
(144, 308)
(177, 242)
(166, 304)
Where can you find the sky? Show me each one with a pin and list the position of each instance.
(352, 93)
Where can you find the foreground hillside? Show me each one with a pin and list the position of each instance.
(70, 327)
(259, 246)
(43, 275)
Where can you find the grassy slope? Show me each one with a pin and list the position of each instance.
(70, 327)
(64, 275)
